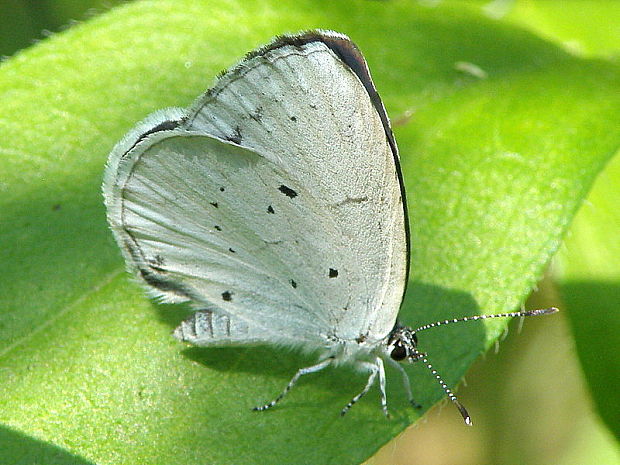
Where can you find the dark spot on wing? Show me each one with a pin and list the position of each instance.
(293, 118)
(235, 136)
(333, 273)
(361, 338)
(214, 204)
(287, 191)
(294, 284)
(270, 210)
(217, 227)
(257, 115)
(313, 106)
(231, 250)
(157, 260)
(227, 296)
(222, 189)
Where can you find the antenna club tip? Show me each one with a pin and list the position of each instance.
(541, 311)
(464, 413)
(548, 311)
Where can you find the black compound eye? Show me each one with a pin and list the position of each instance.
(414, 338)
(398, 353)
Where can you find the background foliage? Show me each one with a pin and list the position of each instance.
(495, 170)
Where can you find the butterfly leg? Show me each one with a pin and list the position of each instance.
(293, 381)
(406, 382)
(374, 370)
(382, 382)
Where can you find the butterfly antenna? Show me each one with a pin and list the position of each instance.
(420, 356)
(416, 355)
(542, 311)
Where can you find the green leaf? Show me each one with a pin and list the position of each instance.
(584, 27)
(589, 279)
(587, 269)
(587, 27)
(495, 170)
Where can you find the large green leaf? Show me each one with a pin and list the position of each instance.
(495, 169)
(587, 270)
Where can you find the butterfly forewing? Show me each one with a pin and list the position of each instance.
(278, 198)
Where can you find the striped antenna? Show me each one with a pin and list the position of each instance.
(417, 355)
(421, 356)
(542, 311)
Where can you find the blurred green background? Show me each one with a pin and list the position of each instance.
(23, 22)
(536, 369)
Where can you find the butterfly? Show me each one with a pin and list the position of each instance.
(275, 205)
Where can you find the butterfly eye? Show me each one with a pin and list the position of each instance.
(398, 353)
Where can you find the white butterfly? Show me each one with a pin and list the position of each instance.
(275, 205)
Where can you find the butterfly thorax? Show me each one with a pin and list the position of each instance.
(362, 349)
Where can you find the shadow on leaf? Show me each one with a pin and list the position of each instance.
(19, 449)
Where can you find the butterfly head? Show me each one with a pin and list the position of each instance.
(402, 344)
